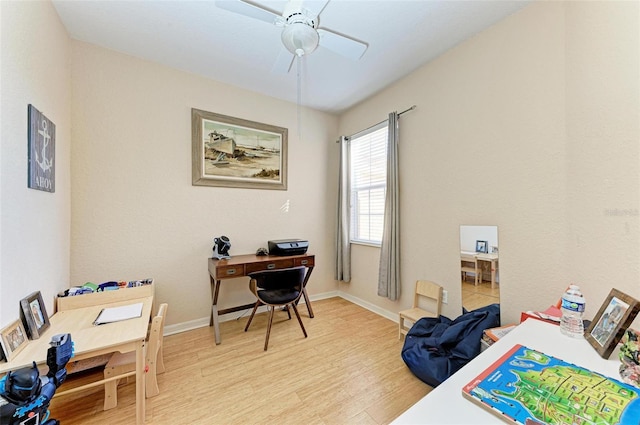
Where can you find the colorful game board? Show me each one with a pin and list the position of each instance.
(528, 387)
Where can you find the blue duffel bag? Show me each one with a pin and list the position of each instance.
(436, 348)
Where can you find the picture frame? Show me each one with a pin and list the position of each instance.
(41, 151)
(612, 319)
(34, 313)
(238, 153)
(482, 246)
(13, 339)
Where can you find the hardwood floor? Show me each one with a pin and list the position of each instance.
(348, 371)
(479, 296)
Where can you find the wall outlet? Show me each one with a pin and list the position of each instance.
(445, 296)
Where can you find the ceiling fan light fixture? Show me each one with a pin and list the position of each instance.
(300, 38)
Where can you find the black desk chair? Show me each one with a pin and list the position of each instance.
(277, 288)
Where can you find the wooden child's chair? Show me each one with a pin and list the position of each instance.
(123, 363)
(466, 267)
(432, 292)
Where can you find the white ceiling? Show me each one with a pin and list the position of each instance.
(201, 38)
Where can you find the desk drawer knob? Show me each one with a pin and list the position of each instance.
(303, 262)
(271, 266)
(231, 271)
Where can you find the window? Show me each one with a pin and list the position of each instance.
(368, 167)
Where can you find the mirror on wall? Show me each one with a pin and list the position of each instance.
(479, 266)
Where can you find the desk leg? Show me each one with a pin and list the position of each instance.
(306, 300)
(215, 321)
(140, 384)
(493, 275)
(304, 292)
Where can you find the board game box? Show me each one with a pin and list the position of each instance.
(528, 387)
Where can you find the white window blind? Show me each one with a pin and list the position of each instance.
(368, 166)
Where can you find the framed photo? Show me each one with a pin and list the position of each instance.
(608, 326)
(481, 246)
(42, 151)
(35, 314)
(233, 152)
(13, 339)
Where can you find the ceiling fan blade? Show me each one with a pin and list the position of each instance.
(343, 45)
(249, 9)
(315, 7)
(283, 62)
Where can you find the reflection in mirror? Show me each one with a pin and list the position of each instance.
(479, 266)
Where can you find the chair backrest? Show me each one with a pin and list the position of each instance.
(467, 261)
(279, 279)
(430, 290)
(156, 332)
(270, 280)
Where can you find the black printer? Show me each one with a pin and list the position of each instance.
(288, 247)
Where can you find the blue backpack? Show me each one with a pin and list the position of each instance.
(436, 348)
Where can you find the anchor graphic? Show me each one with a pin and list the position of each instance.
(45, 163)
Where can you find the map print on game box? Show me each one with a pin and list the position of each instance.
(528, 387)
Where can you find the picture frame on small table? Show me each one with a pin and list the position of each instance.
(34, 314)
(13, 339)
(481, 246)
(612, 319)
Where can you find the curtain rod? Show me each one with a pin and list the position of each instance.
(407, 110)
(371, 126)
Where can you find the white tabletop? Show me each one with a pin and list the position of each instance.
(479, 255)
(446, 405)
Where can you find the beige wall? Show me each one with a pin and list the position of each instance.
(603, 146)
(532, 126)
(34, 225)
(135, 212)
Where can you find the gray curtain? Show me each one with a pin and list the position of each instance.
(343, 247)
(389, 271)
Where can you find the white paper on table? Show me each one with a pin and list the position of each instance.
(116, 314)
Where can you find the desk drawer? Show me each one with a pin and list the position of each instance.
(307, 262)
(284, 263)
(223, 272)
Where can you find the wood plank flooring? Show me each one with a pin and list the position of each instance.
(348, 371)
(479, 296)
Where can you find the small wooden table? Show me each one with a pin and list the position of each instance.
(91, 340)
(491, 258)
(243, 265)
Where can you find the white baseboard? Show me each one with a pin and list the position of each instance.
(371, 307)
(204, 321)
(186, 326)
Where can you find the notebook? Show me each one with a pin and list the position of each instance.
(117, 314)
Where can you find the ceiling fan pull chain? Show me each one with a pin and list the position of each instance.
(299, 78)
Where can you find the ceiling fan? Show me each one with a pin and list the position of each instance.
(300, 32)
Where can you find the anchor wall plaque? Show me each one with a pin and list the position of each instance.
(42, 151)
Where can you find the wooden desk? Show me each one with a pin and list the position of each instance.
(243, 265)
(90, 340)
(491, 258)
(446, 405)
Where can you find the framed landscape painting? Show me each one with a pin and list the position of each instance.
(234, 152)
